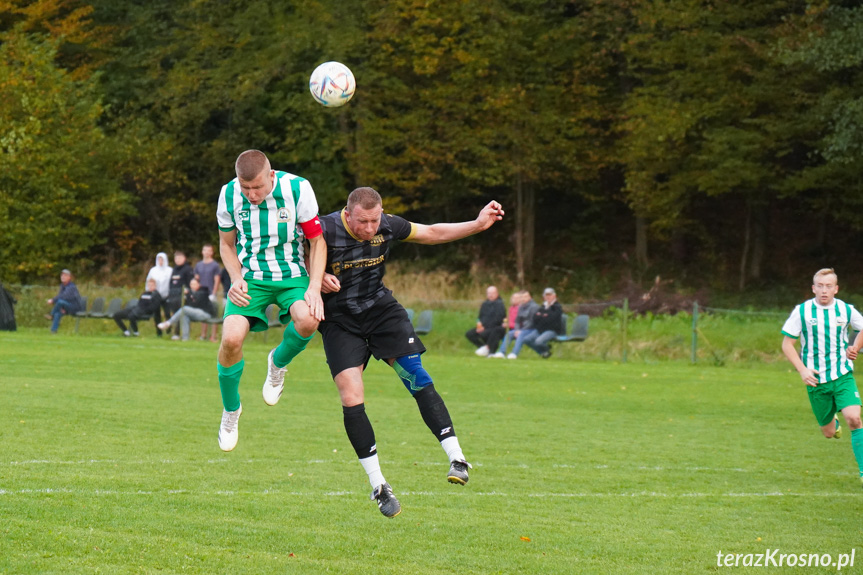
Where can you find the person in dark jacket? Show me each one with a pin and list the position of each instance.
(181, 277)
(67, 301)
(547, 322)
(147, 305)
(198, 308)
(489, 328)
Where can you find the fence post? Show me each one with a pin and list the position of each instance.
(694, 331)
(625, 327)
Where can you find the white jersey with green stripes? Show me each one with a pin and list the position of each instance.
(824, 331)
(269, 237)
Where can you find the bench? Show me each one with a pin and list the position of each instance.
(579, 329)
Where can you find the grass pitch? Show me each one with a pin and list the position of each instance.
(109, 464)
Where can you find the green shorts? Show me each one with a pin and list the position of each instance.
(263, 294)
(828, 398)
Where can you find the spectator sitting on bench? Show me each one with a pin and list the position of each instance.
(66, 302)
(198, 308)
(522, 328)
(147, 305)
(547, 322)
(489, 328)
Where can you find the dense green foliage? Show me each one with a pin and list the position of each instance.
(110, 465)
(714, 142)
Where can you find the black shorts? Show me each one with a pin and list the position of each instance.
(384, 331)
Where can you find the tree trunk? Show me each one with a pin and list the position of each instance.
(519, 231)
(747, 234)
(525, 221)
(759, 243)
(641, 243)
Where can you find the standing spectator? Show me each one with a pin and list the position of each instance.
(161, 272)
(198, 308)
(489, 325)
(523, 326)
(548, 323)
(67, 300)
(825, 362)
(148, 304)
(181, 277)
(209, 273)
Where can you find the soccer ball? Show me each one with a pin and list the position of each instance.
(332, 84)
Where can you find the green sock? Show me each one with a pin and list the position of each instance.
(229, 383)
(292, 344)
(857, 447)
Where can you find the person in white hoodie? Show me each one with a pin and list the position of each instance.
(161, 272)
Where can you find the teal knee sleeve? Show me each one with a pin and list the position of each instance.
(229, 384)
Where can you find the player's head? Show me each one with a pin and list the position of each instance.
(254, 175)
(825, 286)
(363, 213)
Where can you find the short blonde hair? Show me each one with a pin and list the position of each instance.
(824, 272)
(250, 164)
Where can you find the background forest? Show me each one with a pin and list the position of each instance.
(718, 143)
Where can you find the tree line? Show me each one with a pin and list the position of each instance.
(717, 142)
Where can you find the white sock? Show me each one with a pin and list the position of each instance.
(453, 450)
(373, 469)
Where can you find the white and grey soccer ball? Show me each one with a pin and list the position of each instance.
(332, 84)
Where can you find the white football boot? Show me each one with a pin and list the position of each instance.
(275, 381)
(229, 430)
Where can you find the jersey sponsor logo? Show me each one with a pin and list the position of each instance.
(445, 430)
(339, 267)
(284, 215)
(244, 215)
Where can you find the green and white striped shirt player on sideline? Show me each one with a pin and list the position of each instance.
(264, 218)
(825, 362)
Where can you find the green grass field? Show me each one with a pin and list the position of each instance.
(109, 464)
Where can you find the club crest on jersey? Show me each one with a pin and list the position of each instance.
(811, 321)
(244, 216)
(284, 215)
(377, 240)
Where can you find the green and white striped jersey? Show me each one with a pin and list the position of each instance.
(269, 237)
(825, 336)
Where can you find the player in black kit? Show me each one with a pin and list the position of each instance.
(363, 319)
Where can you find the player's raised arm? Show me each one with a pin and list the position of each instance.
(443, 233)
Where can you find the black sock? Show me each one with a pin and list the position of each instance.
(434, 412)
(359, 429)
